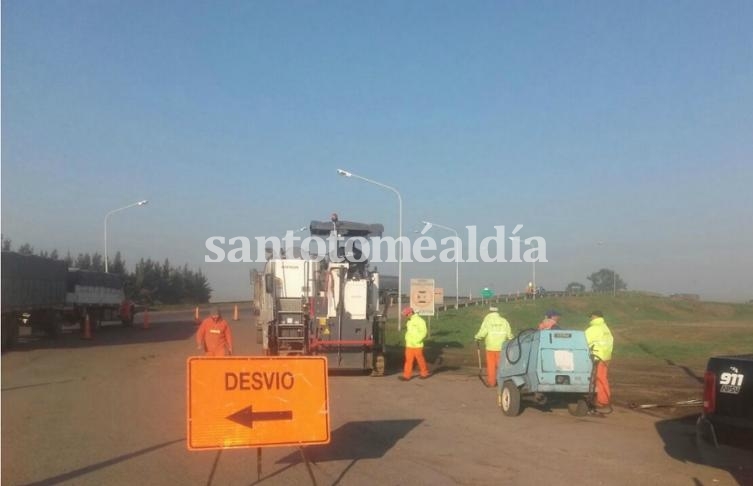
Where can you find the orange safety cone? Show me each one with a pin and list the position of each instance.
(145, 324)
(87, 327)
(196, 314)
(235, 313)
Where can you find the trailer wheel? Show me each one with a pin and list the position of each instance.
(510, 399)
(579, 408)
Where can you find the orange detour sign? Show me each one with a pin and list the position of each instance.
(257, 401)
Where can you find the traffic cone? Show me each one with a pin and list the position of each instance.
(235, 313)
(196, 314)
(87, 327)
(145, 324)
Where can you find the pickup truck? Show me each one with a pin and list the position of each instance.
(728, 401)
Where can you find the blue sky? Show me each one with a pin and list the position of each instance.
(630, 123)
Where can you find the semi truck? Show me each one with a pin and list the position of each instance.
(45, 294)
(330, 306)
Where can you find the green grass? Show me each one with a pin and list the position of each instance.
(644, 326)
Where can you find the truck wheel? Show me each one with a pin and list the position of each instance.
(10, 332)
(55, 328)
(510, 399)
(579, 408)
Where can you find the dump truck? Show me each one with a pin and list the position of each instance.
(45, 294)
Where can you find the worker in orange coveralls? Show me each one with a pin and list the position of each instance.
(214, 336)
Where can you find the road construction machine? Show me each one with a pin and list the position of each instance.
(324, 305)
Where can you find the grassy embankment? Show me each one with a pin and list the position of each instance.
(647, 327)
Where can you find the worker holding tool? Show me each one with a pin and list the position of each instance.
(600, 340)
(214, 336)
(415, 333)
(495, 331)
(551, 321)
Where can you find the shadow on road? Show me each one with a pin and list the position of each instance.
(682, 444)
(100, 465)
(354, 441)
(110, 335)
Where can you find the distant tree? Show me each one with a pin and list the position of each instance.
(26, 249)
(605, 280)
(54, 255)
(117, 265)
(44, 254)
(98, 263)
(68, 260)
(575, 288)
(6, 244)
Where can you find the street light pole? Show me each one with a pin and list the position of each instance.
(346, 173)
(107, 216)
(457, 258)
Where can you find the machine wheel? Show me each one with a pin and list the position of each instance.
(579, 408)
(378, 369)
(510, 399)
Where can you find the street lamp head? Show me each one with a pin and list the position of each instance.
(344, 173)
(142, 203)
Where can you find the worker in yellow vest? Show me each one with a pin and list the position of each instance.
(415, 333)
(495, 331)
(601, 342)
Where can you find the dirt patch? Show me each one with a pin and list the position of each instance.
(653, 381)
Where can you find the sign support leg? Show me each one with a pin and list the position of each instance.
(258, 463)
(308, 466)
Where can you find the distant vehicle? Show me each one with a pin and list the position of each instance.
(728, 400)
(44, 294)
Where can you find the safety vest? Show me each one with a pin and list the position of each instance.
(495, 330)
(415, 332)
(600, 339)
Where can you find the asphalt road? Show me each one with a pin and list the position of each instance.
(113, 411)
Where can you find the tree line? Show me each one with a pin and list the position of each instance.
(605, 280)
(150, 282)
